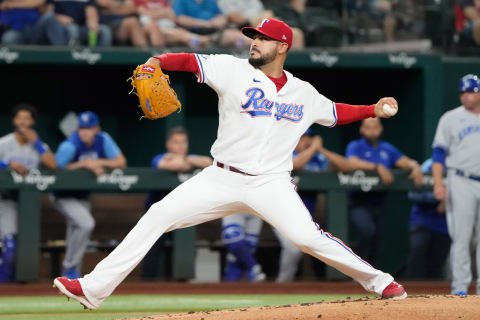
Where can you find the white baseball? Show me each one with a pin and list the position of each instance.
(389, 111)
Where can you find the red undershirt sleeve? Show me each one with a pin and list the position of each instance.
(179, 62)
(347, 113)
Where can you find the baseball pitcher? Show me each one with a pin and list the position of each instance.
(263, 111)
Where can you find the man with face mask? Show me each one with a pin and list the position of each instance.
(367, 209)
(263, 111)
(20, 151)
(92, 149)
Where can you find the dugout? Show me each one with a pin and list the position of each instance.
(57, 80)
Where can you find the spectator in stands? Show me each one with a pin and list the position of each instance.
(158, 21)
(368, 14)
(244, 13)
(17, 18)
(204, 17)
(388, 15)
(20, 151)
(429, 239)
(290, 12)
(368, 209)
(120, 17)
(176, 159)
(467, 14)
(92, 149)
(72, 22)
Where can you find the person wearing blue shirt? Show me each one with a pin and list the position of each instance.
(87, 148)
(429, 239)
(19, 18)
(205, 18)
(367, 209)
(176, 159)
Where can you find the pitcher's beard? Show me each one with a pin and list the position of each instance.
(262, 60)
(257, 62)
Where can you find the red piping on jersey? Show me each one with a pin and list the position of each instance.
(347, 113)
(179, 62)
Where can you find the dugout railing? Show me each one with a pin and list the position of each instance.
(31, 186)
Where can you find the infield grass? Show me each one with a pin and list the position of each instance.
(123, 306)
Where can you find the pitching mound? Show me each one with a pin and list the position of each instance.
(414, 307)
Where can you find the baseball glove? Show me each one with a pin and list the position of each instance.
(157, 98)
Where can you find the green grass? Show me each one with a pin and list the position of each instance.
(122, 306)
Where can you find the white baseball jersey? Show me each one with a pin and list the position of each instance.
(458, 133)
(258, 126)
(11, 150)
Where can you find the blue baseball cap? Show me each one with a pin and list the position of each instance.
(469, 83)
(88, 119)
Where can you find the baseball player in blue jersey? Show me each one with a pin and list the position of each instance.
(429, 240)
(20, 151)
(89, 148)
(456, 152)
(367, 209)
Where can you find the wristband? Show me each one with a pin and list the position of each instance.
(38, 145)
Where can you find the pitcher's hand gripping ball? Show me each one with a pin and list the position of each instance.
(157, 98)
(389, 110)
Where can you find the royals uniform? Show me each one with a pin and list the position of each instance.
(258, 131)
(458, 139)
(29, 156)
(75, 206)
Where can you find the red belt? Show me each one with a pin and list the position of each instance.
(221, 165)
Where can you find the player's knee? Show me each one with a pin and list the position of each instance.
(303, 241)
(88, 225)
(291, 250)
(161, 213)
(233, 235)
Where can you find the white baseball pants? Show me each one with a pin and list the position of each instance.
(463, 220)
(215, 193)
(8, 218)
(80, 224)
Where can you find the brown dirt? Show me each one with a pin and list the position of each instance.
(423, 307)
(319, 287)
